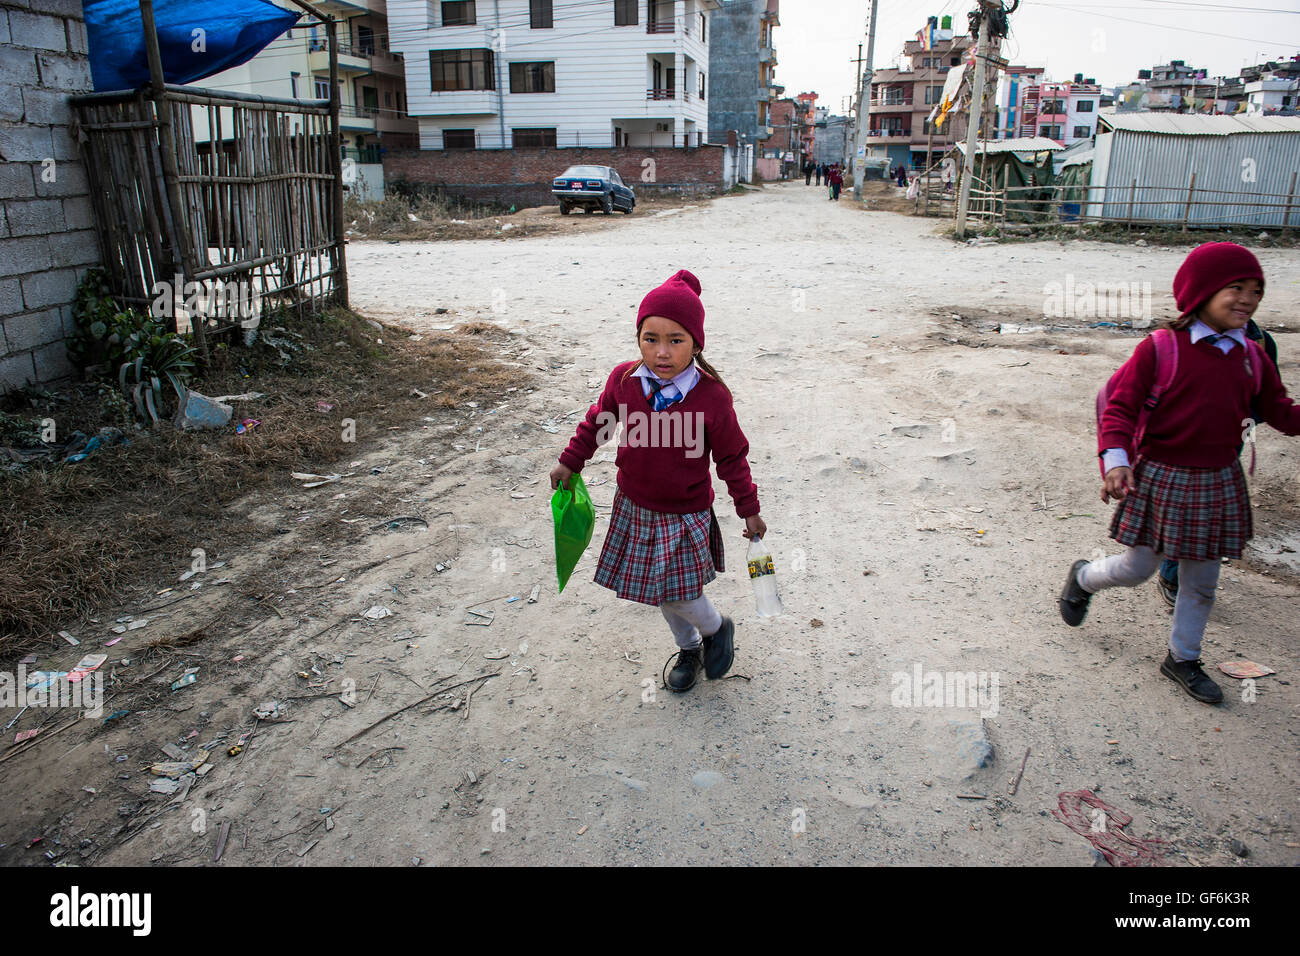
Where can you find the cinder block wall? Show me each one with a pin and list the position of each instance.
(47, 239)
(522, 177)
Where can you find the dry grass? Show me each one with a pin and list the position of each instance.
(76, 537)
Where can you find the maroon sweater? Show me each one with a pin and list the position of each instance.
(655, 470)
(1198, 423)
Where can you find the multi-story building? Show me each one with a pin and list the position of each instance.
(808, 125)
(742, 84)
(372, 79)
(1011, 119)
(903, 97)
(515, 73)
(832, 133)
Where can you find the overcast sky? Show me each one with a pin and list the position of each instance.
(818, 39)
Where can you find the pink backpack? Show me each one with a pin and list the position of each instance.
(1166, 370)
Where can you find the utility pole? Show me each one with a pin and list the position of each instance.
(976, 114)
(864, 106)
(855, 107)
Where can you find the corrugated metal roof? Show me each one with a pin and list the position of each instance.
(1196, 124)
(1022, 144)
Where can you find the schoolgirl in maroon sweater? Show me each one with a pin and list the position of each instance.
(664, 544)
(1185, 495)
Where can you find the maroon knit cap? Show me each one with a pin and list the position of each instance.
(677, 299)
(1209, 268)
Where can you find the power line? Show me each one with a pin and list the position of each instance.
(1168, 26)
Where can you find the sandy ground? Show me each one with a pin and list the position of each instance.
(927, 481)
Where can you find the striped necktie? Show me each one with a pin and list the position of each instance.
(662, 401)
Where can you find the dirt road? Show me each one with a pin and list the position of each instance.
(926, 480)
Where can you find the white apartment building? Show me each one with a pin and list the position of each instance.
(1271, 93)
(498, 74)
(372, 79)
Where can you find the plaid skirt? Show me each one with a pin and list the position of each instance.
(1199, 514)
(651, 557)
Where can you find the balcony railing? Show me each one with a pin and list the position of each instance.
(889, 131)
(661, 26)
(897, 101)
(656, 93)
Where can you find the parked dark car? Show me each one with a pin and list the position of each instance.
(592, 188)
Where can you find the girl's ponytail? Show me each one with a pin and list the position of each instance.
(703, 363)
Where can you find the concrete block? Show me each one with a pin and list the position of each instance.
(11, 104)
(69, 320)
(16, 181)
(25, 144)
(46, 107)
(16, 371)
(56, 287)
(20, 256)
(11, 297)
(4, 26)
(77, 42)
(78, 213)
(18, 66)
(69, 179)
(79, 248)
(52, 362)
(37, 217)
(41, 31)
(33, 329)
(65, 144)
(4, 224)
(71, 73)
(63, 8)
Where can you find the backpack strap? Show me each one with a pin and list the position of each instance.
(1166, 344)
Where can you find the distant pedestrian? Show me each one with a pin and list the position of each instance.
(902, 175)
(818, 168)
(807, 173)
(837, 182)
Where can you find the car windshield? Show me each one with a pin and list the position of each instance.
(583, 171)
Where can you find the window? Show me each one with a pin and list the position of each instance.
(1082, 132)
(458, 14)
(388, 99)
(458, 139)
(322, 89)
(539, 15)
(1053, 106)
(704, 29)
(532, 77)
(1051, 132)
(925, 63)
(625, 13)
(954, 61)
(1083, 106)
(933, 94)
(461, 70)
(544, 138)
(893, 96)
(366, 40)
(702, 84)
(369, 98)
(293, 84)
(927, 126)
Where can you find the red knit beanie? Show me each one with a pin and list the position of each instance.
(1209, 268)
(677, 299)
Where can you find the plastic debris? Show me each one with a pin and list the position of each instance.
(189, 677)
(116, 715)
(26, 735)
(165, 786)
(199, 411)
(315, 481)
(1245, 669)
(247, 425)
(267, 711)
(482, 618)
(39, 680)
(499, 654)
(532, 596)
(112, 642)
(324, 407)
(174, 768)
(69, 638)
(377, 612)
(87, 665)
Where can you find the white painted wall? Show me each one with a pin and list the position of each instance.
(602, 71)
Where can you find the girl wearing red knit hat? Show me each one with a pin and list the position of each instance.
(1184, 496)
(664, 544)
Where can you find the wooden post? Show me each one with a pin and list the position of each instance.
(1132, 193)
(182, 260)
(1290, 200)
(1006, 170)
(336, 165)
(1187, 207)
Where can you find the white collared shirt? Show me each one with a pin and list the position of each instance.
(679, 384)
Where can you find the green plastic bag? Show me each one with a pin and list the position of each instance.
(575, 519)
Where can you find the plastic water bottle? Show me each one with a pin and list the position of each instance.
(763, 576)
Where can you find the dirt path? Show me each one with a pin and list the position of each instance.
(926, 485)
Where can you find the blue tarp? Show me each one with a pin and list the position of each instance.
(197, 38)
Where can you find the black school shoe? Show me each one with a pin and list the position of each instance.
(720, 650)
(1191, 678)
(1074, 599)
(686, 671)
(1168, 589)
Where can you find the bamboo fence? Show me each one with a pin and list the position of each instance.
(254, 180)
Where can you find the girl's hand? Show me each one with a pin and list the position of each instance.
(560, 474)
(1119, 483)
(755, 527)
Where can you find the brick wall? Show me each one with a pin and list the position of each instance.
(47, 239)
(522, 177)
